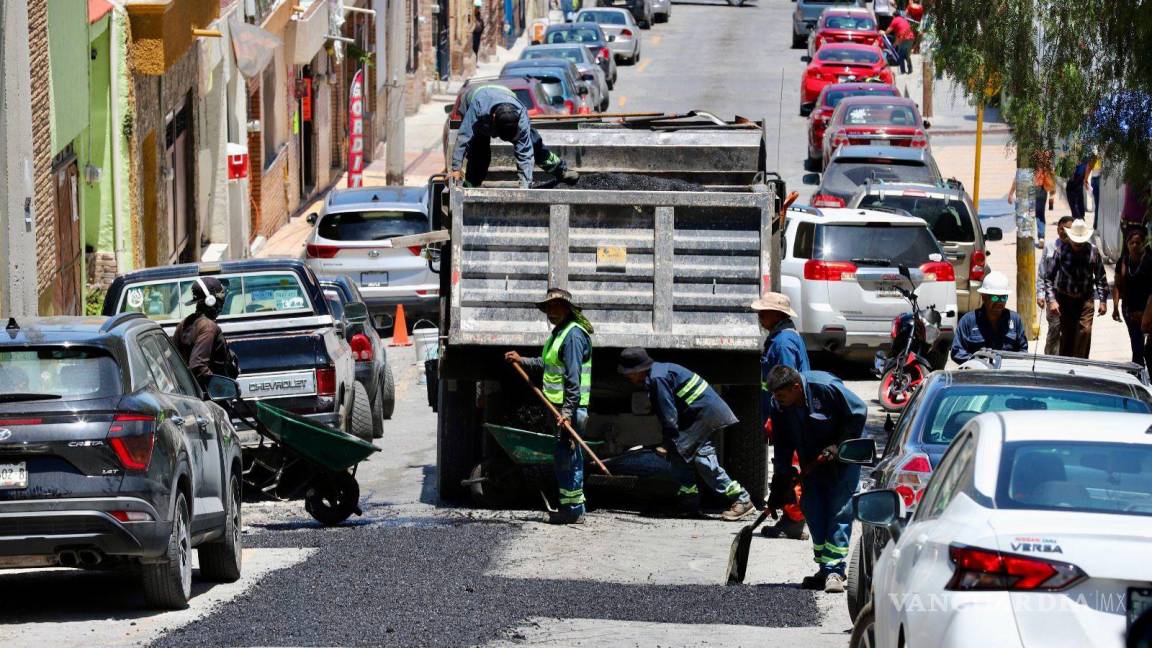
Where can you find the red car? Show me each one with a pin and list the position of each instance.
(875, 121)
(531, 93)
(826, 103)
(842, 63)
(847, 25)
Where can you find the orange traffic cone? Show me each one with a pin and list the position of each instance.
(400, 329)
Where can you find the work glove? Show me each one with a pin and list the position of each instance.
(781, 490)
(830, 453)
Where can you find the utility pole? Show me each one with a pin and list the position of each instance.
(1026, 213)
(18, 296)
(396, 39)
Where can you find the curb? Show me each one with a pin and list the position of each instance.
(971, 131)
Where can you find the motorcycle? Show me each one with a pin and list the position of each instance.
(914, 334)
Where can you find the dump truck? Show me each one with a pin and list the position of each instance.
(672, 271)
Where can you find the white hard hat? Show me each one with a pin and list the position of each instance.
(995, 283)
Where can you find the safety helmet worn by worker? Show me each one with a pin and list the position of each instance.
(506, 121)
(995, 283)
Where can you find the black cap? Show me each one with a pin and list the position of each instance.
(634, 360)
(506, 121)
(212, 284)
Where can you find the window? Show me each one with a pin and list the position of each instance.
(578, 35)
(950, 479)
(1099, 477)
(604, 17)
(72, 373)
(850, 22)
(805, 235)
(897, 245)
(162, 376)
(268, 96)
(845, 175)
(835, 97)
(167, 300)
(948, 218)
(162, 347)
(371, 226)
(850, 56)
(880, 115)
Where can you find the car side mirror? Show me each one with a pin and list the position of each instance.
(805, 58)
(341, 329)
(356, 312)
(882, 508)
(312, 218)
(994, 234)
(223, 388)
(857, 451)
(448, 109)
(927, 124)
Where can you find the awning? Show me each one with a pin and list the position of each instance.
(254, 47)
(311, 30)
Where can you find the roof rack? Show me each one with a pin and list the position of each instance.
(994, 359)
(118, 319)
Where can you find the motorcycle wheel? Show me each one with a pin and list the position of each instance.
(898, 384)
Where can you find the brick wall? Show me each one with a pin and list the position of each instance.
(255, 159)
(274, 195)
(44, 194)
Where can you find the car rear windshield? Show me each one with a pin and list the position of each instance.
(371, 226)
(574, 54)
(849, 22)
(1091, 477)
(246, 295)
(907, 245)
(842, 55)
(949, 219)
(834, 97)
(58, 373)
(844, 175)
(583, 35)
(958, 405)
(880, 113)
(605, 17)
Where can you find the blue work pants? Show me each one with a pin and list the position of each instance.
(827, 504)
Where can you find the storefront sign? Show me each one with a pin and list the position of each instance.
(356, 131)
(306, 101)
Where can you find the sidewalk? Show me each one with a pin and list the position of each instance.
(952, 112)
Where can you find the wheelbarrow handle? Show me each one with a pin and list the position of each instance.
(556, 413)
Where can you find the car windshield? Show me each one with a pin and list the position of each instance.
(574, 54)
(578, 35)
(833, 98)
(371, 226)
(848, 56)
(957, 405)
(245, 296)
(1093, 477)
(849, 22)
(605, 17)
(58, 373)
(907, 245)
(949, 219)
(844, 175)
(880, 114)
(548, 76)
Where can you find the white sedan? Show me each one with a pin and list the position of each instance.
(1036, 530)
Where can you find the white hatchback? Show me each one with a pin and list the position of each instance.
(1035, 530)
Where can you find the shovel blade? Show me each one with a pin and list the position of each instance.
(738, 556)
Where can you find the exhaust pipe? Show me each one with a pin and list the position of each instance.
(89, 557)
(68, 559)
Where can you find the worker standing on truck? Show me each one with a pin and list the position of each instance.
(785, 347)
(817, 413)
(690, 414)
(493, 110)
(566, 363)
(198, 337)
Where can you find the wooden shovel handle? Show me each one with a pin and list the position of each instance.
(556, 413)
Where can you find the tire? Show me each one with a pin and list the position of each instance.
(857, 589)
(745, 448)
(798, 41)
(457, 438)
(388, 395)
(221, 560)
(863, 630)
(168, 585)
(332, 498)
(361, 413)
(661, 18)
(889, 401)
(378, 414)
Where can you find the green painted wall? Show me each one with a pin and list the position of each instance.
(68, 53)
(94, 146)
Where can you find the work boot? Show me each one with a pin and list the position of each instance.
(786, 528)
(815, 581)
(556, 517)
(739, 510)
(834, 584)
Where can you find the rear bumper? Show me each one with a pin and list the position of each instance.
(47, 527)
(859, 344)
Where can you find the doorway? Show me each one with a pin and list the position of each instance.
(178, 185)
(66, 290)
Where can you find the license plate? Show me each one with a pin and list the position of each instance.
(1139, 601)
(374, 279)
(847, 79)
(887, 290)
(880, 142)
(13, 476)
(297, 383)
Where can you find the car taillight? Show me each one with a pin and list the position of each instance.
(895, 326)
(829, 270)
(938, 271)
(314, 251)
(839, 139)
(361, 347)
(627, 33)
(920, 139)
(824, 200)
(416, 249)
(132, 437)
(21, 421)
(326, 382)
(570, 106)
(604, 54)
(818, 43)
(583, 110)
(911, 478)
(425, 293)
(986, 569)
(977, 270)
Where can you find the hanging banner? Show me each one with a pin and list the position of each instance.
(356, 130)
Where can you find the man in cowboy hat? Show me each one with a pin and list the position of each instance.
(992, 326)
(198, 337)
(1052, 340)
(1075, 281)
(690, 413)
(566, 364)
(783, 346)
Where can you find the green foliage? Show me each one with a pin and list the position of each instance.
(93, 300)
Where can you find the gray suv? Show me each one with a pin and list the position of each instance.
(808, 12)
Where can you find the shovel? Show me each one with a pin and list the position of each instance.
(567, 428)
(742, 543)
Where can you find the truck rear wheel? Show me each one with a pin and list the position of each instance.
(362, 413)
(457, 439)
(745, 449)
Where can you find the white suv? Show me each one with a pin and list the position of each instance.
(840, 268)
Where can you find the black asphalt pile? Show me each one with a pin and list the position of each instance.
(622, 182)
(424, 586)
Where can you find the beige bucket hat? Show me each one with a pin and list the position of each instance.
(774, 301)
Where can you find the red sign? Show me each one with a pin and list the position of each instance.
(356, 131)
(306, 101)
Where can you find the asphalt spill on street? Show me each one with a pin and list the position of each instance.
(424, 586)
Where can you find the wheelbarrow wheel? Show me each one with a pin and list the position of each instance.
(332, 498)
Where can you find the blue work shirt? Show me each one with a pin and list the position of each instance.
(975, 331)
(675, 414)
(830, 414)
(477, 122)
(575, 350)
(784, 346)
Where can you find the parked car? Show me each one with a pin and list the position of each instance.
(875, 121)
(826, 102)
(808, 12)
(590, 72)
(840, 268)
(589, 35)
(529, 92)
(949, 213)
(661, 10)
(350, 236)
(275, 318)
(641, 10)
(577, 99)
(372, 367)
(841, 63)
(619, 28)
(1025, 537)
(992, 382)
(852, 167)
(111, 456)
(844, 25)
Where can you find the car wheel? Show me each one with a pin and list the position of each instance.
(361, 412)
(864, 629)
(332, 498)
(857, 592)
(798, 41)
(388, 394)
(220, 560)
(168, 584)
(378, 414)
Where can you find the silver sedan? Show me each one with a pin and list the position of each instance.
(620, 27)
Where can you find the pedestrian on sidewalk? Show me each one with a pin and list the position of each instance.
(817, 413)
(782, 347)
(1076, 187)
(1075, 281)
(901, 29)
(1052, 340)
(477, 29)
(566, 366)
(992, 326)
(1132, 288)
(691, 414)
(1044, 191)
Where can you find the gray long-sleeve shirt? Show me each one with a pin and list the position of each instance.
(477, 122)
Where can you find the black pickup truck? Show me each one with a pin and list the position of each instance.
(291, 349)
